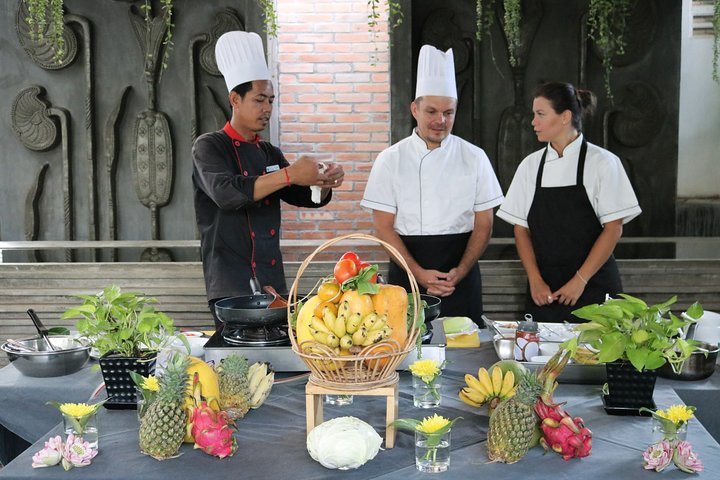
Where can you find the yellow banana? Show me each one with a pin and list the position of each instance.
(340, 329)
(344, 309)
(464, 397)
(373, 337)
(332, 340)
(352, 323)
(358, 338)
(320, 337)
(507, 384)
(474, 395)
(476, 385)
(379, 324)
(317, 324)
(497, 378)
(484, 379)
(329, 318)
(346, 341)
(386, 332)
(370, 320)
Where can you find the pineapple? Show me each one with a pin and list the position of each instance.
(513, 423)
(234, 386)
(162, 428)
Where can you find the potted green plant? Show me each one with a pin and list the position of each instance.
(127, 332)
(634, 339)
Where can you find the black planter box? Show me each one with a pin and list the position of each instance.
(120, 388)
(628, 389)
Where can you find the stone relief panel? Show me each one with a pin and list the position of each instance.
(102, 166)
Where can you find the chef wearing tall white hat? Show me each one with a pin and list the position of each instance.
(432, 195)
(239, 180)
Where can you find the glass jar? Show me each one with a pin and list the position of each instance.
(432, 451)
(339, 400)
(427, 394)
(661, 431)
(85, 427)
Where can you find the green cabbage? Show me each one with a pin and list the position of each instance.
(343, 443)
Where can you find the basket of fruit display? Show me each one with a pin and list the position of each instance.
(353, 332)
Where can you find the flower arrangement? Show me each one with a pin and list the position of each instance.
(78, 413)
(432, 429)
(75, 452)
(428, 372)
(672, 448)
(148, 387)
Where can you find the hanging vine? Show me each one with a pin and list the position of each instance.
(484, 13)
(607, 20)
(395, 19)
(271, 18)
(39, 11)
(167, 14)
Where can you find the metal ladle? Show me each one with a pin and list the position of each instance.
(40, 328)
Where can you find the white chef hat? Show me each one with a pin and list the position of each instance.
(436, 73)
(240, 58)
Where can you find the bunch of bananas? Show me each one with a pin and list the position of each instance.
(347, 329)
(260, 381)
(488, 387)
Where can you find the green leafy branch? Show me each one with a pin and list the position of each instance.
(271, 18)
(607, 20)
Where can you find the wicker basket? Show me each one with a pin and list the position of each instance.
(375, 366)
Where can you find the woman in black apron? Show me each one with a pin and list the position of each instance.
(566, 250)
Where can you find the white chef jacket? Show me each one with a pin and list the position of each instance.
(606, 183)
(432, 192)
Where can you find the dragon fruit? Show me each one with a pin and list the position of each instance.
(561, 433)
(212, 431)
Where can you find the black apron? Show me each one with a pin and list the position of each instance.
(443, 252)
(564, 228)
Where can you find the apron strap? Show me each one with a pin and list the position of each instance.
(581, 163)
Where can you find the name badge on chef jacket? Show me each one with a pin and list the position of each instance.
(272, 168)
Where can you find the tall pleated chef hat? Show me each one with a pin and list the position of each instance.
(436, 73)
(240, 58)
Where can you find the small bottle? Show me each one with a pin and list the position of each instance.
(527, 340)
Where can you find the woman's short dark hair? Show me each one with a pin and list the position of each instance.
(242, 89)
(564, 96)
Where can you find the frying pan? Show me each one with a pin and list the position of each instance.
(250, 311)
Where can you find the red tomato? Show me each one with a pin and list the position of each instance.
(365, 265)
(344, 269)
(352, 256)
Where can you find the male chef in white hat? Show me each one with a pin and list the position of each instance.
(239, 180)
(432, 195)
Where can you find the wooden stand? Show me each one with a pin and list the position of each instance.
(314, 396)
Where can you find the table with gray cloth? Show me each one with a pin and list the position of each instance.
(272, 444)
(25, 416)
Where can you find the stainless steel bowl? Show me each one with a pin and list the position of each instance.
(33, 358)
(699, 366)
(504, 347)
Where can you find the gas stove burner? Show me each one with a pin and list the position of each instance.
(258, 336)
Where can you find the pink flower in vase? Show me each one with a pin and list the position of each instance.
(50, 455)
(658, 456)
(685, 459)
(77, 453)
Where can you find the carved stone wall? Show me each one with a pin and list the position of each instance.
(641, 126)
(96, 146)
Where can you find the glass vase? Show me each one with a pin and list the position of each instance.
(661, 431)
(432, 451)
(339, 400)
(426, 394)
(85, 427)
